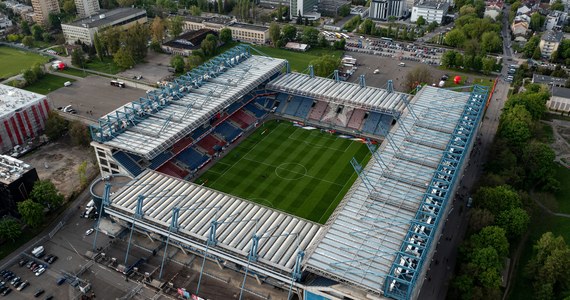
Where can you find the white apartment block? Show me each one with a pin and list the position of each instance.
(549, 43)
(42, 9)
(430, 11)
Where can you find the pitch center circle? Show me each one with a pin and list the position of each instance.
(290, 171)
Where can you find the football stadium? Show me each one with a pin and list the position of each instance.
(325, 188)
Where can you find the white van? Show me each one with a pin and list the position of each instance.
(402, 64)
(67, 83)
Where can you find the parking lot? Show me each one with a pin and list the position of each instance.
(93, 96)
(155, 69)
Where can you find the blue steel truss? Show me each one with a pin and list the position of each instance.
(108, 127)
(407, 266)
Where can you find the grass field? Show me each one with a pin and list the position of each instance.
(74, 72)
(302, 172)
(299, 60)
(15, 60)
(47, 84)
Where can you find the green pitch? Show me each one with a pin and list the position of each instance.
(15, 61)
(303, 172)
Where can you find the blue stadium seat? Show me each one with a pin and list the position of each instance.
(282, 97)
(199, 131)
(252, 107)
(293, 105)
(192, 158)
(383, 125)
(127, 162)
(304, 108)
(234, 107)
(371, 122)
(160, 159)
(229, 132)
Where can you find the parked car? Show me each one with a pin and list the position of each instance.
(89, 231)
(39, 292)
(6, 291)
(52, 259)
(23, 285)
(61, 280)
(40, 271)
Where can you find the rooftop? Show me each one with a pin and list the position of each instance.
(561, 92)
(13, 99)
(190, 40)
(250, 26)
(148, 126)
(432, 5)
(282, 235)
(106, 17)
(553, 36)
(543, 79)
(390, 215)
(341, 92)
(11, 169)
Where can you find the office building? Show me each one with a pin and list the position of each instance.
(87, 8)
(16, 182)
(248, 33)
(383, 9)
(430, 11)
(42, 9)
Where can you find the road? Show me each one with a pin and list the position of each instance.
(441, 268)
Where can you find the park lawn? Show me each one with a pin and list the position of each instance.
(47, 84)
(299, 61)
(107, 65)
(74, 72)
(15, 60)
(468, 79)
(302, 172)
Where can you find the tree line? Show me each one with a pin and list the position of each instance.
(473, 33)
(480, 63)
(522, 162)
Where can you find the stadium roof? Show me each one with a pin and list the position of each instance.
(238, 219)
(340, 92)
(151, 125)
(382, 213)
(14, 99)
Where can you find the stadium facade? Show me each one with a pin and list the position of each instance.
(378, 240)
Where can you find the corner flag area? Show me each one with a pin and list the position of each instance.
(302, 172)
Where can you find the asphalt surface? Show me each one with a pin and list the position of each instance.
(443, 264)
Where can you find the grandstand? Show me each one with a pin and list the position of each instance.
(378, 241)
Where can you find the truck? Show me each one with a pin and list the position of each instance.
(38, 251)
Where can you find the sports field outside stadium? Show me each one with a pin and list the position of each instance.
(302, 172)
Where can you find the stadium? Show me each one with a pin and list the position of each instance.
(325, 188)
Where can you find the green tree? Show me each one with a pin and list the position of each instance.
(488, 64)
(531, 45)
(32, 213)
(54, 21)
(209, 45)
(135, 40)
(29, 76)
(25, 26)
(226, 35)
(28, 41)
(175, 25)
(195, 10)
(10, 229)
(514, 221)
(111, 38)
(497, 199)
(421, 21)
(344, 11)
(194, 61)
(418, 75)
(491, 42)
(536, 54)
(534, 102)
(82, 173)
(98, 46)
(467, 10)
(123, 59)
(549, 268)
(480, 218)
(515, 125)
(325, 65)
(274, 33)
(538, 161)
(79, 134)
(220, 7)
(289, 33)
(38, 70)
(432, 26)
(37, 32)
(491, 236)
(157, 29)
(55, 126)
(455, 38)
(537, 21)
(46, 37)
(557, 5)
(78, 58)
(310, 36)
(448, 58)
(69, 7)
(323, 42)
(45, 193)
(177, 62)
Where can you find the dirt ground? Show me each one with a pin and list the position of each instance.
(155, 69)
(62, 161)
(561, 145)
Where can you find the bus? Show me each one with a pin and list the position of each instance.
(345, 36)
(386, 39)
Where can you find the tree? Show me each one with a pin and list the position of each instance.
(538, 162)
(448, 59)
(274, 33)
(340, 44)
(157, 29)
(480, 218)
(38, 70)
(177, 62)
(32, 213)
(209, 45)
(45, 193)
(557, 5)
(534, 102)
(514, 221)
(536, 54)
(55, 126)
(421, 21)
(28, 41)
(46, 37)
(455, 38)
(491, 42)
(220, 7)
(324, 65)
(432, 26)
(194, 60)
(135, 41)
(537, 21)
(195, 10)
(79, 134)
(77, 58)
(289, 33)
(310, 36)
(29, 76)
(226, 35)
(549, 268)
(417, 76)
(344, 11)
(531, 45)
(515, 125)
(69, 7)
(82, 173)
(491, 236)
(497, 199)
(54, 21)
(123, 59)
(98, 46)
(488, 65)
(37, 32)
(25, 26)
(175, 26)
(111, 38)
(10, 229)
